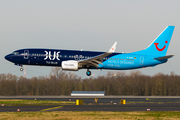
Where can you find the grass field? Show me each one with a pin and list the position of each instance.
(18, 102)
(90, 115)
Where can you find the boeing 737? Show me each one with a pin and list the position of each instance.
(74, 60)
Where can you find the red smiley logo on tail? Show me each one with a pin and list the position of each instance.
(156, 44)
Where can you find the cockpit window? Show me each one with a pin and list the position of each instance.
(15, 53)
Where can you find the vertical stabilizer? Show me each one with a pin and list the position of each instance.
(160, 45)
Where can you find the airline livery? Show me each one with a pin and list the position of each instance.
(74, 60)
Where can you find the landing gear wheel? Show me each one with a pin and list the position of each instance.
(21, 69)
(88, 73)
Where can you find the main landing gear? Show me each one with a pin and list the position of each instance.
(88, 73)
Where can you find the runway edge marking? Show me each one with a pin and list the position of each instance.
(51, 108)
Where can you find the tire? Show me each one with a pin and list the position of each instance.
(88, 73)
(21, 69)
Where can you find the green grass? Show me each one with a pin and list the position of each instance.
(18, 102)
(90, 115)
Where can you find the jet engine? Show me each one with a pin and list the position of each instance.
(70, 65)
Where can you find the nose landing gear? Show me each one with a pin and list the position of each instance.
(88, 73)
(21, 69)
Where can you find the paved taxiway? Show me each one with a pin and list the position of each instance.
(127, 107)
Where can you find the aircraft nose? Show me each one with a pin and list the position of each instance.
(7, 57)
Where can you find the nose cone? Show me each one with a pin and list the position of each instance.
(7, 57)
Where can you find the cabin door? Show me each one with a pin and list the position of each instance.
(26, 54)
(141, 62)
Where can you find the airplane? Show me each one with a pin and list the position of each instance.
(73, 60)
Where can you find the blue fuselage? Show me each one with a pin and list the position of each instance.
(54, 57)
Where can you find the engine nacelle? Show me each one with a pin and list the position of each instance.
(70, 65)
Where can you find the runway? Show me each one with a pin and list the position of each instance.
(132, 107)
(127, 107)
(141, 103)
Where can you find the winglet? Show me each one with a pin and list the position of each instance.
(113, 48)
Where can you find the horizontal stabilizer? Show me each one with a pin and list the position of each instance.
(164, 58)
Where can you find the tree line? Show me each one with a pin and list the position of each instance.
(61, 83)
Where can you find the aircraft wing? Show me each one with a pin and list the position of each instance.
(94, 61)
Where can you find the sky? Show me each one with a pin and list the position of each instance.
(89, 25)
